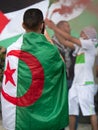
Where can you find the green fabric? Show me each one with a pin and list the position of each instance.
(96, 45)
(7, 42)
(80, 59)
(86, 18)
(50, 111)
(89, 82)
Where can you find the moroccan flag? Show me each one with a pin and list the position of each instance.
(11, 18)
(34, 88)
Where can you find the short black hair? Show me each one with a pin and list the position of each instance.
(32, 18)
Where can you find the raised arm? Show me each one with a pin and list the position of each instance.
(65, 42)
(66, 36)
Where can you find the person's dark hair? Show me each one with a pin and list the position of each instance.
(33, 18)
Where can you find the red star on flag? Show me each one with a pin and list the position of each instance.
(8, 73)
(3, 21)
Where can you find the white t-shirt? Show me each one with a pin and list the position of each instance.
(84, 62)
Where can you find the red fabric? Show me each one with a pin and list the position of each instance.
(3, 21)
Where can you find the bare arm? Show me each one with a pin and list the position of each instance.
(67, 36)
(65, 42)
(48, 37)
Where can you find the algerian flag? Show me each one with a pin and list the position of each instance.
(34, 89)
(11, 18)
(79, 14)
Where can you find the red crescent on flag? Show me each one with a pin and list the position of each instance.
(35, 90)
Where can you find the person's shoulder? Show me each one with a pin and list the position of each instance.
(87, 42)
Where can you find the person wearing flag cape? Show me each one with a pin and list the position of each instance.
(34, 88)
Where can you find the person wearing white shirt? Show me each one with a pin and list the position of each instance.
(82, 91)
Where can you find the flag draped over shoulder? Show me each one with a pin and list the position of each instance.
(11, 18)
(34, 89)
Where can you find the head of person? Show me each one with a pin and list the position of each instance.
(33, 20)
(89, 33)
(64, 26)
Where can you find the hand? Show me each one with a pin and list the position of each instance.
(50, 24)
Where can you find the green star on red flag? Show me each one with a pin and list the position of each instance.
(8, 73)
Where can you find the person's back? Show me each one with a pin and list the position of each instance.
(34, 89)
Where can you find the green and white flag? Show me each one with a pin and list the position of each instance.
(34, 89)
(11, 18)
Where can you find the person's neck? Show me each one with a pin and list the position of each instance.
(36, 31)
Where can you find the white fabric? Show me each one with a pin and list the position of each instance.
(90, 32)
(8, 118)
(56, 17)
(84, 72)
(80, 94)
(14, 27)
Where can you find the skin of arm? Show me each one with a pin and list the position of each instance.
(67, 36)
(48, 37)
(65, 42)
